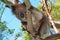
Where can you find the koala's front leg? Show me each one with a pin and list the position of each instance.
(29, 23)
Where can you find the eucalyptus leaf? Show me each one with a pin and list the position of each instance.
(5, 1)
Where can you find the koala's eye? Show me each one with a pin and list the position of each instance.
(22, 15)
(6, 6)
(12, 6)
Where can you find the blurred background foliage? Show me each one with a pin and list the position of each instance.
(27, 36)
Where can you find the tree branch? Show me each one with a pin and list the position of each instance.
(47, 11)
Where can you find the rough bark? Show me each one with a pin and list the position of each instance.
(53, 37)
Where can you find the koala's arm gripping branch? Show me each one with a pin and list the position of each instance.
(29, 23)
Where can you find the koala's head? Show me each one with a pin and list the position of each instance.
(19, 11)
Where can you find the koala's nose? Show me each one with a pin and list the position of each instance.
(24, 22)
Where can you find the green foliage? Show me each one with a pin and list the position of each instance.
(26, 36)
(2, 26)
(5, 1)
(19, 34)
(39, 6)
(56, 13)
(11, 31)
(2, 12)
(58, 2)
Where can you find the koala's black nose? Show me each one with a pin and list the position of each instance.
(24, 23)
(22, 15)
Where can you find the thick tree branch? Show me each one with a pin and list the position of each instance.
(49, 9)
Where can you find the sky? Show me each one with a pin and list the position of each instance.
(14, 23)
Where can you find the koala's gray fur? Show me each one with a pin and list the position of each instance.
(40, 21)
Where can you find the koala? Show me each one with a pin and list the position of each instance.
(40, 21)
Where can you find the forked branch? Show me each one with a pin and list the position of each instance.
(48, 13)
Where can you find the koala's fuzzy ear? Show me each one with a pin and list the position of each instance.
(15, 2)
(23, 4)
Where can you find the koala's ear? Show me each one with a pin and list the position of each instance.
(23, 4)
(15, 2)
